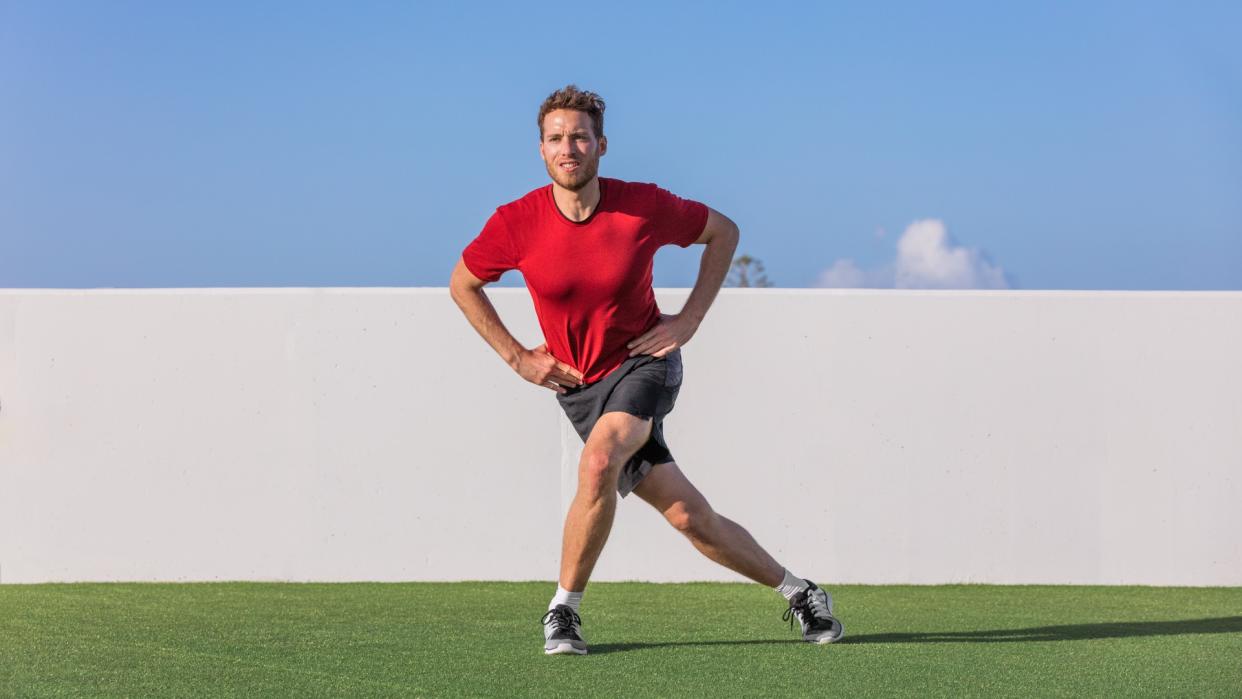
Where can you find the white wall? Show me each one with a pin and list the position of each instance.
(861, 436)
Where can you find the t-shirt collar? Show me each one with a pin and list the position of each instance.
(603, 193)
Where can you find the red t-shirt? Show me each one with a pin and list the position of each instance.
(590, 280)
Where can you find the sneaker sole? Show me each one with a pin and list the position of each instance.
(564, 648)
(824, 640)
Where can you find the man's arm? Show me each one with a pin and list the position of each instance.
(536, 366)
(721, 236)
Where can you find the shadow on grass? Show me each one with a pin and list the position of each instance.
(619, 647)
(1068, 632)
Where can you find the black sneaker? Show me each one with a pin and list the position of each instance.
(562, 631)
(813, 608)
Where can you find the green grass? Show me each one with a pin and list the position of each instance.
(686, 640)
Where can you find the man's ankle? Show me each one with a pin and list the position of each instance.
(791, 585)
(563, 596)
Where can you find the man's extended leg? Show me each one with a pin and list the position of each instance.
(719, 538)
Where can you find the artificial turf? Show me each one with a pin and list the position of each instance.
(671, 640)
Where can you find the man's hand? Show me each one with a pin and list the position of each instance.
(670, 333)
(541, 368)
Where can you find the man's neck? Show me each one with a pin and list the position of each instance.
(579, 205)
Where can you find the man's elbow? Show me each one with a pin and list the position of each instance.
(728, 234)
(463, 282)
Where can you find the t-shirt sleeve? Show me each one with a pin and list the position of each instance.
(677, 221)
(492, 252)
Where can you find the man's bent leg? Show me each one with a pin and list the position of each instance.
(719, 538)
(614, 439)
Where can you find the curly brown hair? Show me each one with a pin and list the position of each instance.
(570, 97)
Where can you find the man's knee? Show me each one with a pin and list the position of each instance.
(598, 470)
(614, 441)
(693, 520)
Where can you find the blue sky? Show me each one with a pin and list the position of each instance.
(1049, 145)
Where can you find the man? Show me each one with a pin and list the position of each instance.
(585, 246)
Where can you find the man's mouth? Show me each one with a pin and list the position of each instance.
(569, 166)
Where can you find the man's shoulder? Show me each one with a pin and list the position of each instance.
(645, 197)
(525, 205)
(631, 188)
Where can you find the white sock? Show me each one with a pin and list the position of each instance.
(563, 596)
(791, 585)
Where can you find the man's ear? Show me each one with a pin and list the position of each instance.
(603, 145)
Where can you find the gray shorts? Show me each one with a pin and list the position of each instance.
(644, 386)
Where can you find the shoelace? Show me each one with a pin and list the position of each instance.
(812, 606)
(562, 619)
(819, 604)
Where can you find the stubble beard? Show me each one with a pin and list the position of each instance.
(575, 181)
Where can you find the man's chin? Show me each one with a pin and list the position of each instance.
(573, 184)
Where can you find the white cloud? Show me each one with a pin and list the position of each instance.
(927, 258)
(845, 274)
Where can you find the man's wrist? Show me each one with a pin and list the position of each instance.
(692, 315)
(513, 357)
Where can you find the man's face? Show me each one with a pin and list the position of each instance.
(569, 148)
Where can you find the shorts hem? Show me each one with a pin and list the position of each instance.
(629, 412)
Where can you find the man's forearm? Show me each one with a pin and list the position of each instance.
(482, 315)
(713, 268)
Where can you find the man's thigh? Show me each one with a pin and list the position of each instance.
(619, 434)
(666, 486)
